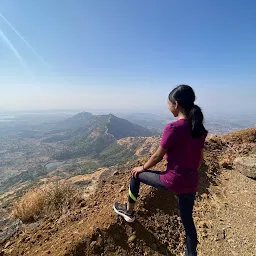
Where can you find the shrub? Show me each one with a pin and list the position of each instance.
(50, 200)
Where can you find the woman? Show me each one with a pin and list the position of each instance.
(182, 142)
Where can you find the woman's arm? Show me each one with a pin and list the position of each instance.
(155, 158)
(167, 142)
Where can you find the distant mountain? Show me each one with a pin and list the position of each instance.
(88, 135)
(85, 124)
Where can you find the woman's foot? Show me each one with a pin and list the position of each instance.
(185, 252)
(121, 209)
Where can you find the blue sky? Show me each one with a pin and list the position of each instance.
(120, 54)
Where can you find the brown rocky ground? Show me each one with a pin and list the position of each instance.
(224, 214)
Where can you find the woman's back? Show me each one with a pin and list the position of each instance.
(183, 157)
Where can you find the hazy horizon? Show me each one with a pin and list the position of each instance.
(209, 114)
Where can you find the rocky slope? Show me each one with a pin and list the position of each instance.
(224, 213)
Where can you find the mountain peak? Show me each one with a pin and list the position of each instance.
(112, 115)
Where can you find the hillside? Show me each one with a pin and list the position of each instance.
(121, 128)
(117, 153)
(224, 213)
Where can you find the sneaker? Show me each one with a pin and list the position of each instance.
(121, 209)
(185, 252)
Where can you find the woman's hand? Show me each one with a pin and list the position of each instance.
(135, 171)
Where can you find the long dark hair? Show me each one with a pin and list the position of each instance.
(185, 96)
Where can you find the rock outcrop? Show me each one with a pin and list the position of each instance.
(246, 166)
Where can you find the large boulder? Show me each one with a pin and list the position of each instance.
(246, 166)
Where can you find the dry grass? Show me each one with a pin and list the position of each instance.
(50, 200)
(242, 136)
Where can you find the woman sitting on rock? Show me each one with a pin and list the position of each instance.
(182, 142)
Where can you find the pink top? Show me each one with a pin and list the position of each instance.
(183, 157)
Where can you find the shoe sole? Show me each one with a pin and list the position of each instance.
(128, 219)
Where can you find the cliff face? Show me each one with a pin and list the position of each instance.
(224, 213)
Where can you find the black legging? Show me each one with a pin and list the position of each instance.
(186, 203)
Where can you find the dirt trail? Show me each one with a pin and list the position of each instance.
(230, 216)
